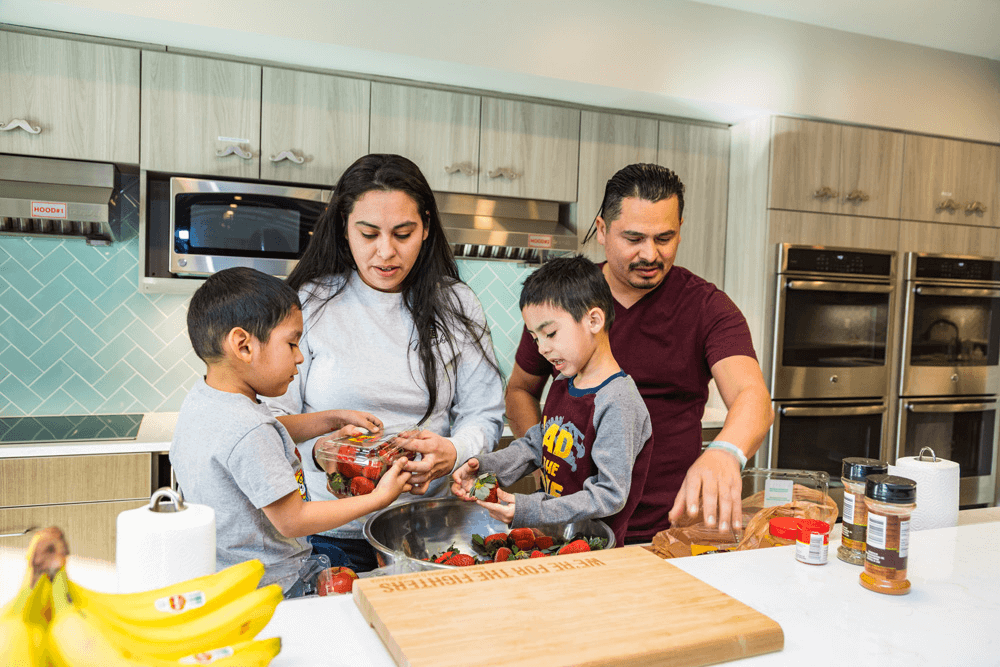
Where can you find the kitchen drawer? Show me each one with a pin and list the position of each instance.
(89, 527)
(50, 480)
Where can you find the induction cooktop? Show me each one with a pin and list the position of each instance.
(68, 428)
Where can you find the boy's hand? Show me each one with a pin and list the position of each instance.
(394, 482)
(463, 479)
(338, 419)
(497, 510)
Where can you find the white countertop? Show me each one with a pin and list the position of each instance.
(949, 617)
(157, 428)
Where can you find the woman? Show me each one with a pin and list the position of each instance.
(390, 329)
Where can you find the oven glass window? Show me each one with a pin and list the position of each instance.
(834, 329)
(244, 228)
(822, 443)
(955, 331)
(963, 437)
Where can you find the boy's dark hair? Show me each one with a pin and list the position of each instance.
(574, 284)
(238, 297)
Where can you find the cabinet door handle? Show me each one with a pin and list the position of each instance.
(20, 123)
(975, 207)
(20, 533)
(503, 172)
(464, 167)
(825, 193)
(234, 150)
(949, 204)
(858, 196)
(286, 155)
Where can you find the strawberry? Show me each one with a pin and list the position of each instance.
(346, 457)
(485, 488)
(373, 470)
(575, 547)
(461, 560)
(337, 484)
(543, 542)
(448, 553)
(500, 540)
(336, 580)
(524, 538)
(361, 486)
(503, 553)
(537, 554)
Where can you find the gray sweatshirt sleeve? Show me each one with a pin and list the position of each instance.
(622, 427)
(477, 407)
(519, 458)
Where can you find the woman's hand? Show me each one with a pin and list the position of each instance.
(437, 458)
(463, 479)
(500, 512)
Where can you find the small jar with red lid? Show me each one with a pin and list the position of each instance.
(783, 530)
(813, 544)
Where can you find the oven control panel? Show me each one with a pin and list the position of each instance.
(835, 260)
(956, 268)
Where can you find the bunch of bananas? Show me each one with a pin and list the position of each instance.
(209, 620)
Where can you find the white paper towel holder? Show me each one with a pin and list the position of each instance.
(177, 498)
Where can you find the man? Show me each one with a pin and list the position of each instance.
(673, 332)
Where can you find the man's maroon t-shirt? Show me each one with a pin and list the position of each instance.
(668, 341)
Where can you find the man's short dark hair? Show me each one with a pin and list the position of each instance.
(649, 182)
(238, 297)
(574, 284)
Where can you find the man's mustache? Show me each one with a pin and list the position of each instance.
(645, 265)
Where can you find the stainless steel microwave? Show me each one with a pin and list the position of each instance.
(215, 225)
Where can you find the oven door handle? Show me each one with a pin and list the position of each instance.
(855, 411)
(950, 407)
(827, 286)
(956, 291)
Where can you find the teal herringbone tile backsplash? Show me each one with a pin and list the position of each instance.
(77, 337)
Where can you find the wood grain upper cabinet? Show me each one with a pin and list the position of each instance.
(946, 180)
(831, 168)
(699, 155)
(529, 150)
(313, 126)
(608, 142)
(438, 130)
(75, 99)
(200, 115)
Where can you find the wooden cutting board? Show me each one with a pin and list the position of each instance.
(620, 606)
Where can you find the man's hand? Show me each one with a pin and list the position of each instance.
(437, 458)
(499, 510)
(714, 485)
(464, 478)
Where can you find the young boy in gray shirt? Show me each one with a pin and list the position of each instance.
(595, 439)
(228, 450)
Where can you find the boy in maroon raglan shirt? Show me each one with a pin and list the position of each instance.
(595, 438)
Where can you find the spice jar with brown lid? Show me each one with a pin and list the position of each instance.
(852, 542)
(890, 501)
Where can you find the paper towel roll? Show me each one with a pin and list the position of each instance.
(156, 548)
(937, 490)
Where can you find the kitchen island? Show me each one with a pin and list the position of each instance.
(950, 616)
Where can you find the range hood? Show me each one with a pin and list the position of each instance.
(49, 197)
(520, 230)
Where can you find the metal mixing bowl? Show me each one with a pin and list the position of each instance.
(420, 528)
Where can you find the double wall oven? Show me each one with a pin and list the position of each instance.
(830, 371)
(950, 366)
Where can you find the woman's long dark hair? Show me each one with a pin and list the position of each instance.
(433, 307)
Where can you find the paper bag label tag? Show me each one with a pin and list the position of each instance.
(777, 492)
(175, 604)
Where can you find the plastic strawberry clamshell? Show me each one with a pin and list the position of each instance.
(354, 464)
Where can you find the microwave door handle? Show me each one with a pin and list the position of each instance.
(950, 407)
(826, 286)
(855, 411)
(956, 291)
